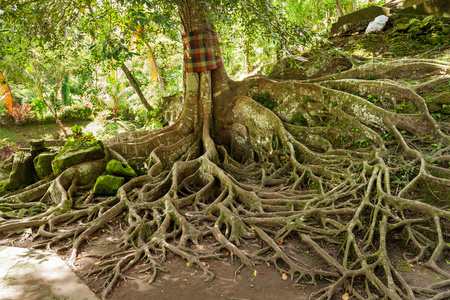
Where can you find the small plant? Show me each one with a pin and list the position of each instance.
(82, 138)
(372, 98)
(264, 100)
(362, 143)
(309, 99)
(274, 144)
(77, 132)
(297, 120)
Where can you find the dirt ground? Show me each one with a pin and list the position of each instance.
(186, 282)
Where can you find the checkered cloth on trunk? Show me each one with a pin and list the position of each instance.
(201, 51)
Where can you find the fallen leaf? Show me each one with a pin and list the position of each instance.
(143, 265)
(187, 264)
(268, 265)
(97, 263)
(284, 276)
(255, 272)
(411, 265)
(345, 296)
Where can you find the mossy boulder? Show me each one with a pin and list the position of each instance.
(74, 154)
(108, 184)
(22, 173)
(43, 164)
(117, 168)
(7, 164)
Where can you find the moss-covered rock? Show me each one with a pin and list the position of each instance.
(43, 164)
(108, 184)
(22, 173)
(7, 164)
(74, 154)
(117, 168)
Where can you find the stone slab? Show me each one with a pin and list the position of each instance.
(408, 3)
(368, 13)
(35, 274)
(438, 8)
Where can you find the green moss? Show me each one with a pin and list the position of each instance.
(43, 164)
(74, 154)
(22, 173)
(2, 190)
(5, 208)
(108, 184)
(117, 168)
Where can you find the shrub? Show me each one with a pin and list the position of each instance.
(76, 112)
(39, 108)
(20, 113)
(7, 149)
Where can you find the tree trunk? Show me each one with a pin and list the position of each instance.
(158, 72)
(136, 87)
(247, 59)
(338, 8)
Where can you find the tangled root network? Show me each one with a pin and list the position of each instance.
(340, 178)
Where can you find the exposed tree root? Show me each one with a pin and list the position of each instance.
(332, 166)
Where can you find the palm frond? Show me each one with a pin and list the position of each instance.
(6, 95)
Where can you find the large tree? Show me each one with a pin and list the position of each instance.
(333, 169)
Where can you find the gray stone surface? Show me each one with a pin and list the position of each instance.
(28, 274)
(368, 13)
(438, 8)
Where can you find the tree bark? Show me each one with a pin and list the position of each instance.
(136, 87)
